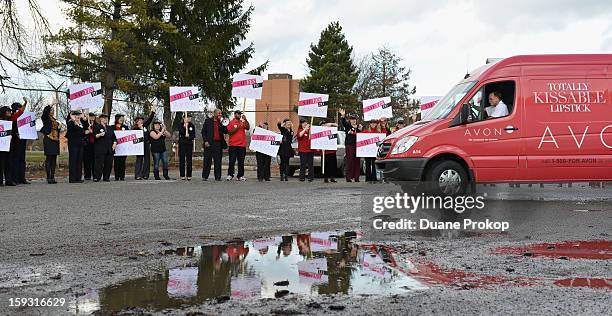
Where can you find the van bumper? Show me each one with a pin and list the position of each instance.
(404, 169)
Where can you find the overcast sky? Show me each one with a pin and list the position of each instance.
(438, 40)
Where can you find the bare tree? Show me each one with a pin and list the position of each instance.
(16, 41)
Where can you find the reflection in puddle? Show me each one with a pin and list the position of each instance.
(596, 283)
(310, 264)
(304, 264)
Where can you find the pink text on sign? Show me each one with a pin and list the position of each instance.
(310, 101)
(264, 138)
(321, 134)
(368, 141)
(125, 139)
(428, 105)
(374, 106)
(81, 93)
(181, 95)
(242, 83)
(24, 121)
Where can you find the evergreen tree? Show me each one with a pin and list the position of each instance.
(331, 69)
(381, 75)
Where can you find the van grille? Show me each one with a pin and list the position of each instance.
(383, 149)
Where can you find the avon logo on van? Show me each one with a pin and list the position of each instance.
(570, 97)
(483, 132)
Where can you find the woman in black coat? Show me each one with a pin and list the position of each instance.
(51, 129)
(285, 151)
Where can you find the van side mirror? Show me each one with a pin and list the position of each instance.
(464, 114)
(463, 117)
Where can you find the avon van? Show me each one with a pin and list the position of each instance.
(557, 128)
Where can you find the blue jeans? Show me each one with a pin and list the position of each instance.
(160, 156)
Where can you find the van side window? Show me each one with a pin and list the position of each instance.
(493, 100)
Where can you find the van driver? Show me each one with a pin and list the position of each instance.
(498, 108)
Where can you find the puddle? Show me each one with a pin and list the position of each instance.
(592, 249)
(318, 263)
(311, 264)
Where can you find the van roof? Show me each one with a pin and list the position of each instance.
(522, 60)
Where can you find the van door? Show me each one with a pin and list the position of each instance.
(493, 143)
(568, 134)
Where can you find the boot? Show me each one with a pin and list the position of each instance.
(166, 174)
(156, 174)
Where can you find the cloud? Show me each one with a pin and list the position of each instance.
(438, 39)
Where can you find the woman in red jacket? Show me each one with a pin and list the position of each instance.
(306, 154)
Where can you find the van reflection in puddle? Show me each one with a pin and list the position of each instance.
(317, 263)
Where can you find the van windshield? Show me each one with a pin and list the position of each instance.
(448, 102)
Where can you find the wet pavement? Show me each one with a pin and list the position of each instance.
(162, 247)
(314, 264)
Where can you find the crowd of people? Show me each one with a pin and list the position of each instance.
(92, 142)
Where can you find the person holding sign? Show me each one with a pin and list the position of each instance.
(51, 144)
(143, 163)
(306, 154)
(331, 162)
(119, 161)
(353, 163)
(237, 145)
(76, 130)
(18, 145)
(6, 175)
(263, 161)
(285, 151)
(186, 136)
(370, 168)
(89, 154)
(213, 137)
(103, 148)
(158, 149)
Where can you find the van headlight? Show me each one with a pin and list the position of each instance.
(402, 145)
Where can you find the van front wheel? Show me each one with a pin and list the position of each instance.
(448, 178)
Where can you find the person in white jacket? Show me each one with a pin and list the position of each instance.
(498, 108)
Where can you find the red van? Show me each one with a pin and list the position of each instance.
(540, 118)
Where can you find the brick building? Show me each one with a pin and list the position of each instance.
(278, 101)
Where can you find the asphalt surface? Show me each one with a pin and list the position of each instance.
(60, 240)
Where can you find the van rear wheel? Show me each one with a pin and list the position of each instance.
(448, 178)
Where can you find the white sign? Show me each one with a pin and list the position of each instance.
(245, 287)
(185, 99)
(129, 143)
(428, 102)
(367, 143)
(378, 108)
(265, 141)
(324, 138)
(26, 126)
(247, 86)
(323, 241)
(85, 95)
(313, 104)
(5, 136)
(183, 282)
(313, 271)
(264, 243)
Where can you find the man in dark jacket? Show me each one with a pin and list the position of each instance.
(77, 130)
(143, 163)
(186, 136)
(18, 145)
(213, 138)
(104, 146)
(6, 170)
